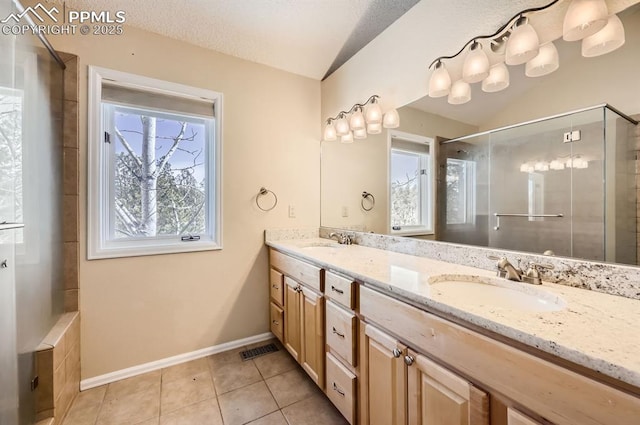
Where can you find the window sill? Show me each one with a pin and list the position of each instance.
(95, 253)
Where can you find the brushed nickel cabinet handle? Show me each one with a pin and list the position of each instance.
(338, 390)
(337, 333)
(408, 360)
(334, 289)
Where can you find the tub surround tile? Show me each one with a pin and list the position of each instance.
(596, 330)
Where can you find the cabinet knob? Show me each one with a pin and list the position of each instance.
(275, 286)
(4, 264)
(408, 360)
(275, 322)
(396, 353)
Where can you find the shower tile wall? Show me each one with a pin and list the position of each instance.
(635, 143)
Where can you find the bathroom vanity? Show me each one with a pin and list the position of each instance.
(389, 342)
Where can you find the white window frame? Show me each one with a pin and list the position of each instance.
(429, 186)
(99, 242)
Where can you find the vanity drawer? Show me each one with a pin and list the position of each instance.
(341, 328)
(299, 270)
(340, 289)
(276, 287)
(341, 388)
(277, 321)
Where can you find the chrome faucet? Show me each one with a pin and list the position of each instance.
(508, 271)
(342, 238)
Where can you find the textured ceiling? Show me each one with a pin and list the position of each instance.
(306, 37)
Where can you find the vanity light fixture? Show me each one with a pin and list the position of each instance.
(545, 62)
(585, 20)
(606, 40)
(523, 44)
(476, 64)
(556, 165)
(541, 166)
(497, 80)
(354, 124)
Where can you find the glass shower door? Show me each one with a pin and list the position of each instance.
(547, 192)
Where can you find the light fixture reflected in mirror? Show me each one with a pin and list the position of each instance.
(353, 124)
(606, 40)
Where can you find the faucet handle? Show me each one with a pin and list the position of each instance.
(541, 265)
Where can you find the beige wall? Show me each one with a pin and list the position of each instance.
(349, 169)
(137, 310)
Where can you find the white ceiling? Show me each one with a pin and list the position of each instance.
(306, 37)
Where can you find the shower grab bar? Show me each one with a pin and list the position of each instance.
(498, 215)
(4, 225)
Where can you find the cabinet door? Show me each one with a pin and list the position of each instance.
(384, 378)
(312, 353)
(437, 396)
(292, 317)
(277, 320)
(516, 418)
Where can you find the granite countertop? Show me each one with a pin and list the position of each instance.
(594, 330)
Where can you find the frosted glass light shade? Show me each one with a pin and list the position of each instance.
(342, 126)
(556, 165)
(541, 166)
(440, 81)
(606, 40)
(374, 128)
(497, 80)
(460, 93)
(357, 120)
(391, 119)
(347, 138)
(374, 114)
(476, 65)
(360, 134)
(523, 44)
(544, 63)
(584, 18)
(329, 133)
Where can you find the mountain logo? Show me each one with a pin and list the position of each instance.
(33, 12)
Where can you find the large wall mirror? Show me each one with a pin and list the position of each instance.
(445, 174)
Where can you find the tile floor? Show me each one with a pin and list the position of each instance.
(216, 390)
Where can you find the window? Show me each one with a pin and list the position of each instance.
(411, 184)
(154, 166)
(461, 191)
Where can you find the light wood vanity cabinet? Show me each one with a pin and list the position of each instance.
(386, 362)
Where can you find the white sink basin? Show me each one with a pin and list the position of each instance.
(494, 292)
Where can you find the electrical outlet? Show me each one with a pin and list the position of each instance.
(571, 136)
(292, 211)
(345, 211)
(567, 137)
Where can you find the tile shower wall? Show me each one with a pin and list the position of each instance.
(71, 183)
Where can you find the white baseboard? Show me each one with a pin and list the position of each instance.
(107, 378)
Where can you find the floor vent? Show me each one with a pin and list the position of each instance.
(258, 351)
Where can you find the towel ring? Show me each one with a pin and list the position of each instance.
(367, 195)
(262, 192)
